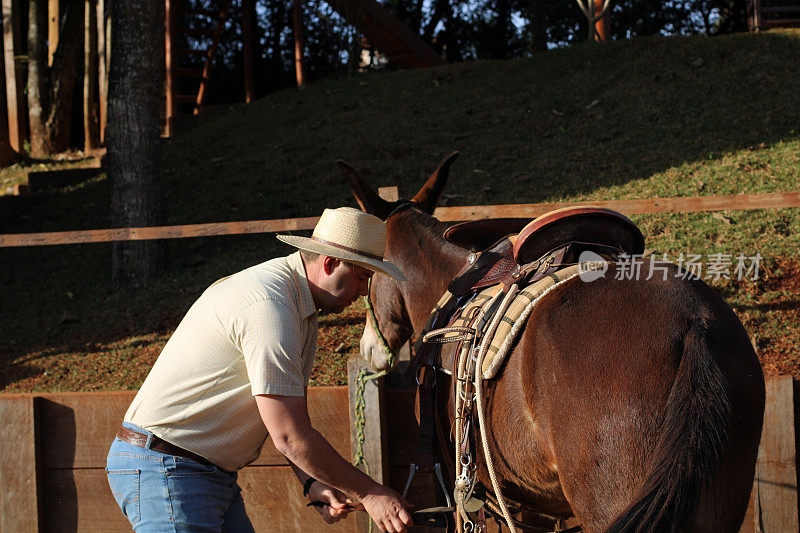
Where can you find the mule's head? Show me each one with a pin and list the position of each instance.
(394, 309)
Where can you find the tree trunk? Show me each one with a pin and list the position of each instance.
(91, 126)
(501, 48)
(134, 153)
(7, 154)
(102, 71)
(38, 86)
(50, 89)
(275, 65)
(539, 27)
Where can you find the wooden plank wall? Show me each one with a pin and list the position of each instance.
(75, 431)
(775, 491)
(52, 475)
(19, 483)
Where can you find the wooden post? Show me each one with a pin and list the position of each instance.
(91, 137)
(168, 85)
(7, 154)
(374, 445)
(601, 26)
(52, 30)
(756, 16)
(390, 194)
(102, 72)
(248, 18)
(14, 100)
(299, 66)
(776, 468)
(19, 465)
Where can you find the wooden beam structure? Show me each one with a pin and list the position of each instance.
(91, 119)
(169, 82)
(299, 46)
(103, 58)
(201, 93)
(387, 33)
(766, 14)
(7, 154)
(15, 100)
(448, 214)
(602, 26)
(53, 27)
(248, 22)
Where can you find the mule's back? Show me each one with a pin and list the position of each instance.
(651, 399)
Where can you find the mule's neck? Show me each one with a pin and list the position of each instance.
(430, 262)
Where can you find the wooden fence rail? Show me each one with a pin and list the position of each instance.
(629, 207)
(53, 450)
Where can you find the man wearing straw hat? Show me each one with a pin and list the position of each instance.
(234, 372)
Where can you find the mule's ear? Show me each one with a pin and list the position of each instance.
(366, 197)
(428, 195)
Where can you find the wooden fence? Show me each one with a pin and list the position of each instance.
(53, 450)
(628, 207)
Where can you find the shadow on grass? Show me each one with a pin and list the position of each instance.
(589, 120)
(340, 321)
(774, 306)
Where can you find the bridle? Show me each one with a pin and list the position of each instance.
(374, 322)
(401, 206)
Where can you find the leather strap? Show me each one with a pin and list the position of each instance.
(159, 445)
(427, 424)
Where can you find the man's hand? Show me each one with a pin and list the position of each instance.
(388, 509)
(286, 420)
(336, 505)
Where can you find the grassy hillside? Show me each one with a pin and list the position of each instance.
(635, 119)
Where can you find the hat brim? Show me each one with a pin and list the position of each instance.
(376, 265)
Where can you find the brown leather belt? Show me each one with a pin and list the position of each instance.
(159, 445)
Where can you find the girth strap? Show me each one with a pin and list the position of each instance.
(427, 422)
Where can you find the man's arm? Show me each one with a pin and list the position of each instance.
(286, 419)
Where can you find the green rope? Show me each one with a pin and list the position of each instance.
(361, 385)
(361, 420)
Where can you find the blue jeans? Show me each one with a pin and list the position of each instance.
(159, 492)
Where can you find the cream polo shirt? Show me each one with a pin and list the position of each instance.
(254, 332)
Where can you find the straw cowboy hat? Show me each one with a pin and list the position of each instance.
(351, 235)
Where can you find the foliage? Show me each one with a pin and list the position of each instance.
(649, 117)
(457, 29)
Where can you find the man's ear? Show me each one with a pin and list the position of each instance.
(329, 264)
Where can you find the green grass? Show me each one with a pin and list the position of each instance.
(636, 119)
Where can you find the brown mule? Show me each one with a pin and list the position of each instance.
(635, 405)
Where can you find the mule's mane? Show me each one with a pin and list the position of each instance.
(427, 259)
(430, 235)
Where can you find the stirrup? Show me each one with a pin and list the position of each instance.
(437, 468)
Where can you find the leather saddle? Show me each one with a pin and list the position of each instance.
(522, 251)
(519, 249)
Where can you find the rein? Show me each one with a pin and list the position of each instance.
(374, 321)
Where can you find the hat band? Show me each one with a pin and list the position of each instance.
(347, 249)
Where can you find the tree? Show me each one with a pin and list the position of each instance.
(134, 153)
(91, 119)
(51, 89)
